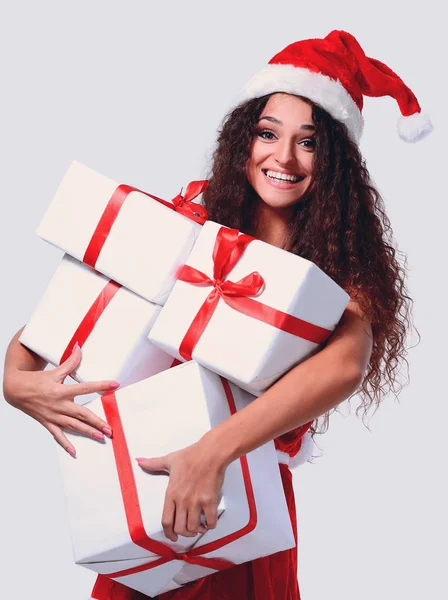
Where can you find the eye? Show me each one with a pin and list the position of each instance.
(309, 143)
(266, 134)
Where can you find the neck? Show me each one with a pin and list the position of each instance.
(273, 224)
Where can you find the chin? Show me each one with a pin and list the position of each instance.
(280, 200)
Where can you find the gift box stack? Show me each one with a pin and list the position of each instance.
(145, 282)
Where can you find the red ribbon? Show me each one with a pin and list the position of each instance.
(291, 442)
(89, 321)
(181, 203)
(229, 247)
(132, 507)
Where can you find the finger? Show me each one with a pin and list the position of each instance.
(211, 514)
(90, 387)
(69, 365)
(180, 521)
(154, 464)
(194, 520)
(61, 439)
(82, 413)
(168, 516)
(81, 427)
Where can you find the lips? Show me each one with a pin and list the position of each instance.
(280, 182)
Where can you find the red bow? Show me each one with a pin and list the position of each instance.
(185, 206)
(229, 247)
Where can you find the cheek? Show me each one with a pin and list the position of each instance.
(310, 163)
(258, 153)
(250, 171)
(251, 165)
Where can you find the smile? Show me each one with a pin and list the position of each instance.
(282, 179)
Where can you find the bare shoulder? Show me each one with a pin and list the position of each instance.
(355, 315)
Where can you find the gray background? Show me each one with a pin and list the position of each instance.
(136, 90)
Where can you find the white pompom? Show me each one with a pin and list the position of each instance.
(306, 452)
(415, 127)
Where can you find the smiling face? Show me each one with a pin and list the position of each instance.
(280, 166)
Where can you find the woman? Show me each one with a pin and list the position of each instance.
(288, 171)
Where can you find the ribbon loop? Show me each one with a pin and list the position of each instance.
(228, 248)
(192, 275)
(250, 285)
(183, 203)
(194, 188)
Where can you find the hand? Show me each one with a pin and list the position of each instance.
(42, 395)
(195, 483)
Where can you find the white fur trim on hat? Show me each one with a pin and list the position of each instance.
(324, 91)
(415, 127)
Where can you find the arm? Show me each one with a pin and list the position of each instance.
(306, 392)
(43, 396)
(19, 358)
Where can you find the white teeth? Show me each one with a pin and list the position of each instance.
(282, 176)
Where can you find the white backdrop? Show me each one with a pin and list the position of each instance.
(136, 90)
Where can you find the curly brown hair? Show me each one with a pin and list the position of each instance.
(340, 225)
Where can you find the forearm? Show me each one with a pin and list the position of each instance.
(306, 392)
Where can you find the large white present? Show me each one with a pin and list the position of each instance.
(132, 237)
(110, 323)
(115, 507)
(247, 310)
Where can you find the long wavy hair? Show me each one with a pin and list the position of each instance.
(340, 225)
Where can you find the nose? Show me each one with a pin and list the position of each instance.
(284, 152)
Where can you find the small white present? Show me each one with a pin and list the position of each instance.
(134, 238)
(115, 507)
(247, 310)
(110, 323)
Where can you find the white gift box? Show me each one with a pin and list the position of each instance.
(104, 484)
(251, 353)
(145, 245)
(117, 346)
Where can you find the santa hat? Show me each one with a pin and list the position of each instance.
(335, 73)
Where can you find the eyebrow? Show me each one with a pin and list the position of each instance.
(305, 126)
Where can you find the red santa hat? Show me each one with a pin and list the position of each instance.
(335, 73)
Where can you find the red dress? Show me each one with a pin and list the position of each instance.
(269, 578)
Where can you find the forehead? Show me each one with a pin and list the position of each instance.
(289, 109)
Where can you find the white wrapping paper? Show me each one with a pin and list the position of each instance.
(117, 348)
(146, 244)
(245, 350)
(160, 415)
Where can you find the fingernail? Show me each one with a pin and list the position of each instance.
(71, 451)
(114, 385)
(98, 436)
(75, 347)
(107, 431)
